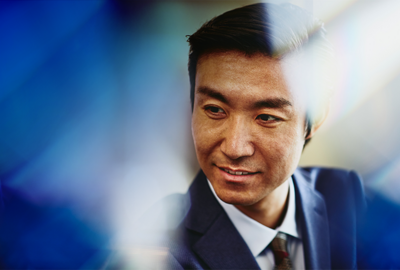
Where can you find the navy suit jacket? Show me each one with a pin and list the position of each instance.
(329, 203)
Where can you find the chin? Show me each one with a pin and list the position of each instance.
(236, 198)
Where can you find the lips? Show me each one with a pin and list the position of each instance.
(237, 172)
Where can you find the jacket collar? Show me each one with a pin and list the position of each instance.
(312, 215)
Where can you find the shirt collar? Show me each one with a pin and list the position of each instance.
(256, 235)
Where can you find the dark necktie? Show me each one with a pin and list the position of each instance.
(279, 248)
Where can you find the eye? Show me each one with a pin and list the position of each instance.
(215, 109)
(267, 118)
(214, 112)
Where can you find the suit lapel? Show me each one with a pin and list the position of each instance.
(221, 246)
(311, 213)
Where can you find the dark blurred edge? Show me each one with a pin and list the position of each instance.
(36, 236)
(379, 234)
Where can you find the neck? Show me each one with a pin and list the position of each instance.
(271, 210)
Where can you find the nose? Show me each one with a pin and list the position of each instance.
(237, 140)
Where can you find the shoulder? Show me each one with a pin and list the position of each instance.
(321, 178)
(337, 186)
(322, 175)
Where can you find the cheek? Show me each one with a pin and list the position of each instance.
(284, 148)
(204, 136)
(293, 147)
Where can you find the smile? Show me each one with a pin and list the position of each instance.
(237, 172)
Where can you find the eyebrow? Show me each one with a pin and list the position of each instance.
(212, 93)
(275, 103)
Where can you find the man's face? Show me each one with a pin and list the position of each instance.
(248, 128)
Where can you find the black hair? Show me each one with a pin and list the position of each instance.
(269, 29)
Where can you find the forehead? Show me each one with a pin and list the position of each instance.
(235, 73)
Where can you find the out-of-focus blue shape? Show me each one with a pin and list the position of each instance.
(87, 93)
(47, 237)
(31, 31)
(379, 235)
(38, 90)
(52, 56)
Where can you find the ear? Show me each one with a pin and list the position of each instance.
(318, 123)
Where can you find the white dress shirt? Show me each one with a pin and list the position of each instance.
(258, 236)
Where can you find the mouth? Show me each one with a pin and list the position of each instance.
(237, 172)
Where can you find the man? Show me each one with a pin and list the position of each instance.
(250, 206)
